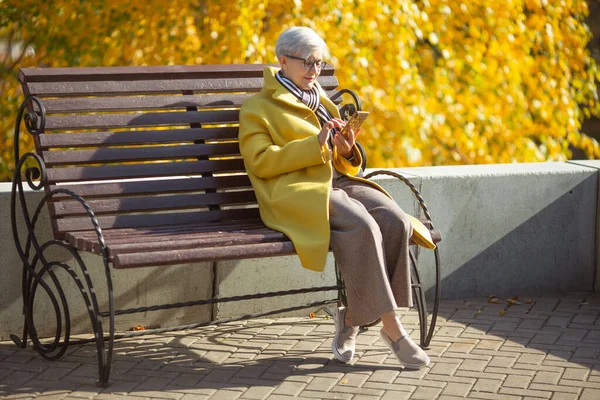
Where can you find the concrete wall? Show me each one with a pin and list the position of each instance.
(515, 229)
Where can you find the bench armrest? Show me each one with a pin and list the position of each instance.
(32, 111)
(357, 103)
(32, 218)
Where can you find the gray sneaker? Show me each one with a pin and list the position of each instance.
(406, 351)
(344, 341)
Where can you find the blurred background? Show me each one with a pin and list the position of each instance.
(447, 82)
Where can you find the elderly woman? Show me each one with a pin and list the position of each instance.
(304, 173)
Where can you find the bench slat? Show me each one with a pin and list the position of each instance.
(160, 231)
(89, 139)
(217, 253)
(88, 240)
(135, 244)
(161, 72)
(69, 157)
(141, 103)
(189, 242)
(148, 102)
(137, 87)
(78, 174)
(64, 225)
(127, 236)
(177, 185)
(153, 203)
(436, 235)
(105, 121)
(252, 228)
(168, 86)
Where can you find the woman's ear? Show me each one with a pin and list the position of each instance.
(283, 63)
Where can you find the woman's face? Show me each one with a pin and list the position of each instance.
(294, 69)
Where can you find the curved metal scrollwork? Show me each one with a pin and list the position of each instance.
(351, 93)
(34, 122)
(38, 270)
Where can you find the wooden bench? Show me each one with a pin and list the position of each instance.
(141, 165)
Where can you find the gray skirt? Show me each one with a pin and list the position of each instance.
(370, 235)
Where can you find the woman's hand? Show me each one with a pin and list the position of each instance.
(345, 143)
(335, 123)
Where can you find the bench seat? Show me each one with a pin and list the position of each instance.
(172, 244)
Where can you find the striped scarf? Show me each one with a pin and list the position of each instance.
(309, 97)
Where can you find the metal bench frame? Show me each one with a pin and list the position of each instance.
(37, 268)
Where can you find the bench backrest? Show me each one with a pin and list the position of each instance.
(146, 146)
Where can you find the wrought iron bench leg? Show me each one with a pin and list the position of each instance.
(36, 265)
(419, 298)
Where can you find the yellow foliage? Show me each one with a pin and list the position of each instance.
(446, 82)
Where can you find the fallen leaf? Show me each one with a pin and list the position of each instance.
(528, 301)
(137, 328)
(312, 315)
(512, 301)
(344, 381)
(494, 300)
(502, 312)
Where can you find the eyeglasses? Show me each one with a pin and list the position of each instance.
(308, 64)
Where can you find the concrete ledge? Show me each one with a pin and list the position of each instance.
(515, 229)
(512, 229)
(241, 277)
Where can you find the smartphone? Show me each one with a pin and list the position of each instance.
(355, 122)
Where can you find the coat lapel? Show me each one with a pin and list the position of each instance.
(282, 94)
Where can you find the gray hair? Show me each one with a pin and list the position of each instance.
(299, 41)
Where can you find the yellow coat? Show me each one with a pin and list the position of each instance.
(289, 170)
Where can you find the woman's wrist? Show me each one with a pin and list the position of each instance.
(347, 155)
(322, 140)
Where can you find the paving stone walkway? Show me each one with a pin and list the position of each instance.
(545, 348)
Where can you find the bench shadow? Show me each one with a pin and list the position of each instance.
(261, 353)
(231, 356)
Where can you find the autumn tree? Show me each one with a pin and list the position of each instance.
(446, 82)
